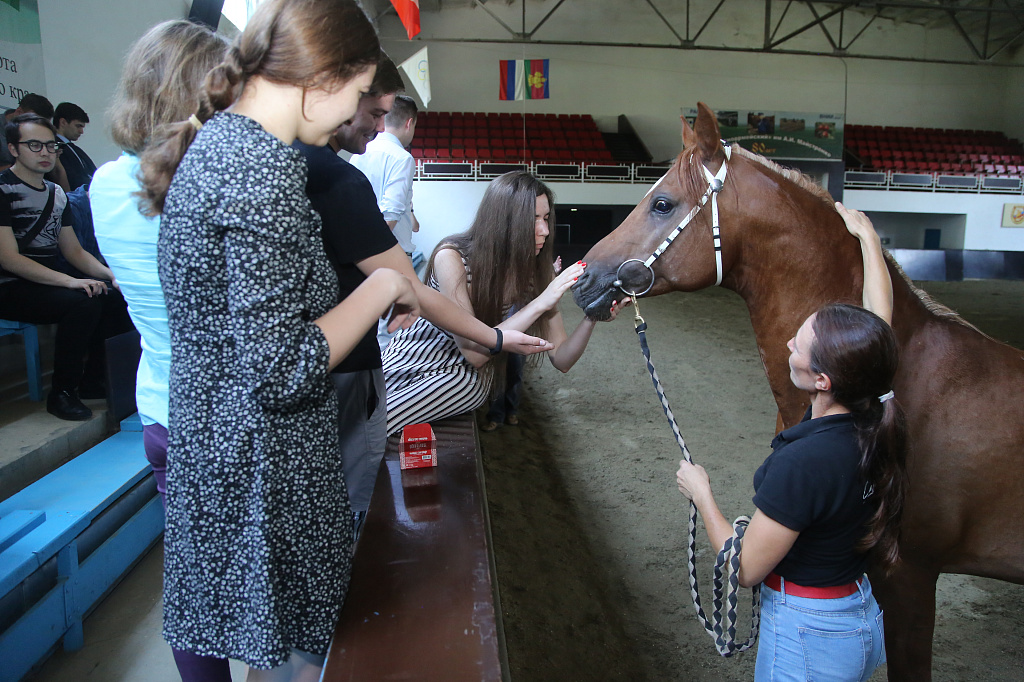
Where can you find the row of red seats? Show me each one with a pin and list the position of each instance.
(953, 157)
(455, 116)
(945, 168)
(578, 143)
(919, 134)
(957, 146)
(866, 145)
(514, 155)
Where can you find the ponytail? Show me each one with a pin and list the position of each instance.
(162, 156)
(883, 439)
(858, 351)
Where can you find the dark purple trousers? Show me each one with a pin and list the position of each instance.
(191, 667)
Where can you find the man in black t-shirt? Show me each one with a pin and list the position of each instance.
(359, 241)
(355, 236)
(35, 224)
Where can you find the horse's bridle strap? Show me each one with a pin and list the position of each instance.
(715, 183)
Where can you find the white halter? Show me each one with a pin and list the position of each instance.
(715, 183)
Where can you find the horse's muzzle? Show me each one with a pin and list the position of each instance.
(595, 293)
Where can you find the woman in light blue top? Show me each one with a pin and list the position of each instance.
(163, 74)
(162, 78)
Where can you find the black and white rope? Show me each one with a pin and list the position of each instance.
(722, 626)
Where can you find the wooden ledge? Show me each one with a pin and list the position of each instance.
(423, 601)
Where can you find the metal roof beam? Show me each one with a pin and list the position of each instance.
(710, 17)
(546, 17)
(817, 22)
(661, 16)
(963, 34)
(824, 29)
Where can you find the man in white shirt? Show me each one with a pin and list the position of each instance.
(390, 168)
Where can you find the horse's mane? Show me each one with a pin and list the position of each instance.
(791, 174)
(695, 179)
(930, 304)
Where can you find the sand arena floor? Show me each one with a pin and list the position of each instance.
(589, 529)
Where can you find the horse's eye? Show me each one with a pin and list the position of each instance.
(663, 206)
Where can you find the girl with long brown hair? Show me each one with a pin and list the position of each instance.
(831, 490)
(258, 540)
(160, 84)
(502, 263)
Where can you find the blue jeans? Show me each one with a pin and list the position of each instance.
(819, 639)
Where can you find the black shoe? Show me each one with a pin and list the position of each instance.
(64, 404)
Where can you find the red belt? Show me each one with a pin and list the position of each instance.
(775, 582)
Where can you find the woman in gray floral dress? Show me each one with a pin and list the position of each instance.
(258, 540)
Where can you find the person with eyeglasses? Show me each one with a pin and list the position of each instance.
(35, 223)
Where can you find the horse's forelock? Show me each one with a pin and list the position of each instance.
(689, 173)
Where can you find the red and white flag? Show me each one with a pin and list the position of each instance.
(409, 13)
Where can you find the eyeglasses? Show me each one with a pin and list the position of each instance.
(37, 146)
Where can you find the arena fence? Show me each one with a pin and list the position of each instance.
(647, 174)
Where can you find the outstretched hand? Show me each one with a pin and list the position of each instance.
(517, 342)
(405, 309)
(552, 294)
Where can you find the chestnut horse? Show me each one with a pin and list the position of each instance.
(787, 252)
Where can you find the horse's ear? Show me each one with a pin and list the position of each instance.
(689, 137)
(709, 139)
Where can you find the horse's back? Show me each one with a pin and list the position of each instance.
(963, 393)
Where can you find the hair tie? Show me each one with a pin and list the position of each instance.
(196, 123)
(888, 396)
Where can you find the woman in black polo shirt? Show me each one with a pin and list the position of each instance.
(831, 489)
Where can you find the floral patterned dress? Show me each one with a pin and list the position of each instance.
(258, 543)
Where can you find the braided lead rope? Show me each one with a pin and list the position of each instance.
(727, 565)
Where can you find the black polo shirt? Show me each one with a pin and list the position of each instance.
(353, 230)
(810, 484)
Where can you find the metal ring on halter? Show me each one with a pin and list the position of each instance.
(618, 278)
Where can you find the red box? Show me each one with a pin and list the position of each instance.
(418, 447)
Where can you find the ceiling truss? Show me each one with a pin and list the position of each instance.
(988, 27)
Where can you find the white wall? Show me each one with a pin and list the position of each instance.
(651, 85)
(967, 221)
(907, 230)
(84, 42)
(983, 213)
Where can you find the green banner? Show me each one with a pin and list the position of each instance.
(782, 134)
(21, 52)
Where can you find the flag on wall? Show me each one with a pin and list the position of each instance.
(409, 13)
(417, 68)
(523, 79)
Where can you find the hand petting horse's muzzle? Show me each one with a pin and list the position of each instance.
(595, 293)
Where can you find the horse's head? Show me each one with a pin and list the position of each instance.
(689, 263)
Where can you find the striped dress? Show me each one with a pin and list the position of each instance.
(427, 377)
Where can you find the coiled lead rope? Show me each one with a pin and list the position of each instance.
(722, 626)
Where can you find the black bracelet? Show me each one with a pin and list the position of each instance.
(497, 346)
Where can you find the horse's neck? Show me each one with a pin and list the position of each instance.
(794, 258)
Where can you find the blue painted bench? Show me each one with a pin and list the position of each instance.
(31, 339)
(66, 540)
